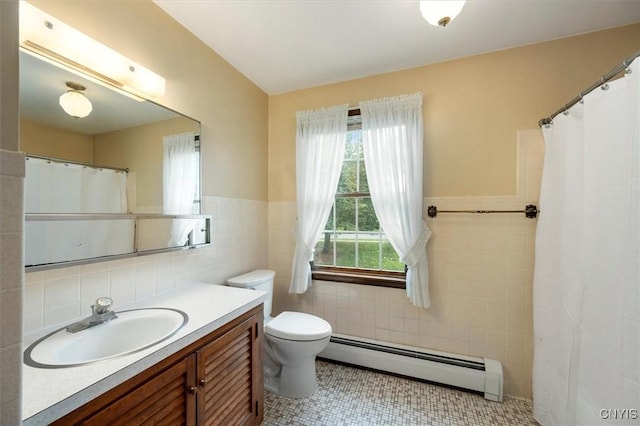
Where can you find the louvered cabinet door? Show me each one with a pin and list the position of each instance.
(229, 373)
(167, 399)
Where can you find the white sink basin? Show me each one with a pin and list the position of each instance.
(130, 332)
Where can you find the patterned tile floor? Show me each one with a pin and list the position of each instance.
(353, 396)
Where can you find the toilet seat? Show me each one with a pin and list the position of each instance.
(298, 326)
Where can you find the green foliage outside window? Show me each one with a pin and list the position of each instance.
(352, 236)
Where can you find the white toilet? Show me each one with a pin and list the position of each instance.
(292, 341)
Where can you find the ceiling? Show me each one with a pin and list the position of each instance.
(285, 45)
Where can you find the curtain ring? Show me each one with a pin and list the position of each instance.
(581, 99)
(627, 71)
(604, 85)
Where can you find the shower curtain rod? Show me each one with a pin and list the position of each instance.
(611, 74)
(61, 161)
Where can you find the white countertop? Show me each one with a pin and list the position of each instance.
(49, 394)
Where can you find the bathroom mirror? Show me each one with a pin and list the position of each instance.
(70, 210)
(122, 131)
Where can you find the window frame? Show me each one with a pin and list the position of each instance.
(373, 277)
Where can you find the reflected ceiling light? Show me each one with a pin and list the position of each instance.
(56, 40)
(74, 102)
(440, 12)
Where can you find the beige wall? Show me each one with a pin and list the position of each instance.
(472, 108)
(140, 150)
(200, 84)
(41, 139)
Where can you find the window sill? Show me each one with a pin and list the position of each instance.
(379, 279)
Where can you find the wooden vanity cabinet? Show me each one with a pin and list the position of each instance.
(214, 381)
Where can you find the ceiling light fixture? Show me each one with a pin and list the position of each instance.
(62, 43)
(440, 12)
(74, 102)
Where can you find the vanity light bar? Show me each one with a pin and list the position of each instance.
(88, 75)
(52, 38)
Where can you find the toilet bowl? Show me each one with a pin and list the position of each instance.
(292, 341)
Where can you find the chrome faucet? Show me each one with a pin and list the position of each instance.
(99, 313)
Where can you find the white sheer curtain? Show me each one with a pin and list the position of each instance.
(179, 182)
(587, 274)
(320, 141)
(392, 139)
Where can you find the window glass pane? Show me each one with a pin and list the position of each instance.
(367, 220)
(345, 214)
(364, 184)
(345, 250)
(390, 259)
(323, 254)
(369, 251)
(353, 147)
(329, 226)
(348, 177)
(352, 237)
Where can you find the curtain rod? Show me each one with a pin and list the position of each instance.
(611, 74)
(61, 161)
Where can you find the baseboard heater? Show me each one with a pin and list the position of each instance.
(482, 375)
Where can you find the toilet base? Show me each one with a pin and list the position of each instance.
(297, 381)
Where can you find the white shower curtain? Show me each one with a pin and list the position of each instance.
(179, 175)
(320, 140)
(103, 191)
(392, 140)
(54, 187)
(587, 276)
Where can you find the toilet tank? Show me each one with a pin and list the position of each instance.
(261, 279)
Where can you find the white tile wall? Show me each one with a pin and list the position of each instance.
(481, 270)
(11, 289)
(239, 235)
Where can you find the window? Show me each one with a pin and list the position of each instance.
(181, 174)
(353, 247)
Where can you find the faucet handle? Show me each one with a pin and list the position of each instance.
(103, 304)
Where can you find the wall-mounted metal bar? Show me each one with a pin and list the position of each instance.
(61, 161)
(37, 217)
(531, 211)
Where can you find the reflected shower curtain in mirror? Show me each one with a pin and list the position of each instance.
(587, 274)
(55, 187)
(320, 141)
(392, 140)
(180, 174)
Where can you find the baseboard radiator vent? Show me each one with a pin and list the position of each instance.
(482, 375)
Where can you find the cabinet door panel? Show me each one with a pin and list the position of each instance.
(163, 400)
(227, 367)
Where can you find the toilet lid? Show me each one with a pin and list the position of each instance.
(298, 326)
